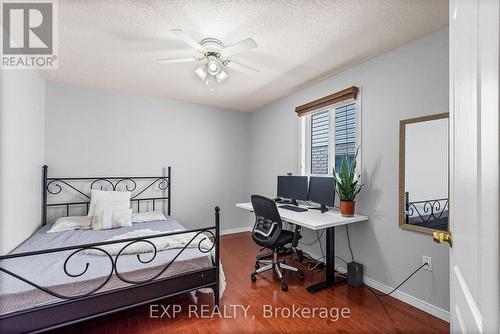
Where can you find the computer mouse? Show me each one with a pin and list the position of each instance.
(277, 199)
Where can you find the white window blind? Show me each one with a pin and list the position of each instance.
(320, 137)
(345, 133)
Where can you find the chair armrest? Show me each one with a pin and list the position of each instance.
(255, 230)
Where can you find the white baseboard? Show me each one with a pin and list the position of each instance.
(402, 296)
(236, 230)
(408, 299)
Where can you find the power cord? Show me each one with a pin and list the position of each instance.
(352, 257)
(318, 261)
(315, 240)
(341, 259)
(389, 293)
(320, 244)
(349, 242)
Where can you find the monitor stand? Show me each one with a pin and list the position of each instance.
(323, 208)
(294, 202)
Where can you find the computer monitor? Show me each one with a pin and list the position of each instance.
(322, 191)
(293, 188)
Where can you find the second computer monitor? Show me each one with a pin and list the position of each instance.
(322, 191)
(292, 187)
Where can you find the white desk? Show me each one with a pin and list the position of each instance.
(312, 219)
(315, 220)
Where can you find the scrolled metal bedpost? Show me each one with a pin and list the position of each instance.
(217, 254)
(168, 190)
(44, 194)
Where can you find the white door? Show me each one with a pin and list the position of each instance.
(474, 172)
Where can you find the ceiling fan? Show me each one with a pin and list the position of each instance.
(214, 55)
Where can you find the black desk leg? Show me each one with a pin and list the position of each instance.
(330, 279)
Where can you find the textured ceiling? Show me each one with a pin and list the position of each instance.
(114, 44)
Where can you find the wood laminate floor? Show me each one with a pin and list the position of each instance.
(368, 313)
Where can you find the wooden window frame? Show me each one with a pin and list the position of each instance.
(350, 93)
(304, 124)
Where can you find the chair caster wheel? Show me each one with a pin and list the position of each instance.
(301, 275)
(300, 255)
(253, 277)
(284, 287)
(257, 265)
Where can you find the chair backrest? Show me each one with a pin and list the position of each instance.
(268, 224)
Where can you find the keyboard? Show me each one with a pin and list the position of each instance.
(292, 208)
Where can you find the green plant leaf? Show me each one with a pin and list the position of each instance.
(347, 184)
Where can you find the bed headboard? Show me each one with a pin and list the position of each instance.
(426, 210)
(143, 189)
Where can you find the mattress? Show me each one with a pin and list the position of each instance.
(47, 270)
(437, 224)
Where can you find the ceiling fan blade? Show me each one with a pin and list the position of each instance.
(242, 68)
(242, 46)
(188, 39)
(176, 60)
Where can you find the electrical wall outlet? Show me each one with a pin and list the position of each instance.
(428, 260)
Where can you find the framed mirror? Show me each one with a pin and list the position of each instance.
(423, 173)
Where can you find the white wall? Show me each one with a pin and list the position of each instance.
(22, 113)
(426, 160)
(93, 132)
(406, 82)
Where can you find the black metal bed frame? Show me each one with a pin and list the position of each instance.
(432, 209)
(96, 303)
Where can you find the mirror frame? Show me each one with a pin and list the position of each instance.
(402, 139)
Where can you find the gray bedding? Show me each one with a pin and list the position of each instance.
(47, 269)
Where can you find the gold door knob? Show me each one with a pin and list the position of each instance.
(441, 237)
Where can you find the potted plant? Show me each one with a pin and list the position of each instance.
(347, 185)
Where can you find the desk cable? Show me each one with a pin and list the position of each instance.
(393, 290)
(318, 261)
(318, 235)
(349, 242)
(373, 290)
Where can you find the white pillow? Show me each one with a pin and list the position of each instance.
(71, 223)
(110, 219)
(120, 199)
(111, 214)
(148, 216)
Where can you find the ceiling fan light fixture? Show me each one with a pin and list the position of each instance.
(215, 57)
(213, 67)
(201, 72)
(221, 76)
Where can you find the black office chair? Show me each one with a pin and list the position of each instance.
(267, 232)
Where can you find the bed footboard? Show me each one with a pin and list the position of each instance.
(99, 301)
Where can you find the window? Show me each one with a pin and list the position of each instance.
(326, 136)
(345, 133)
(320, 128)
